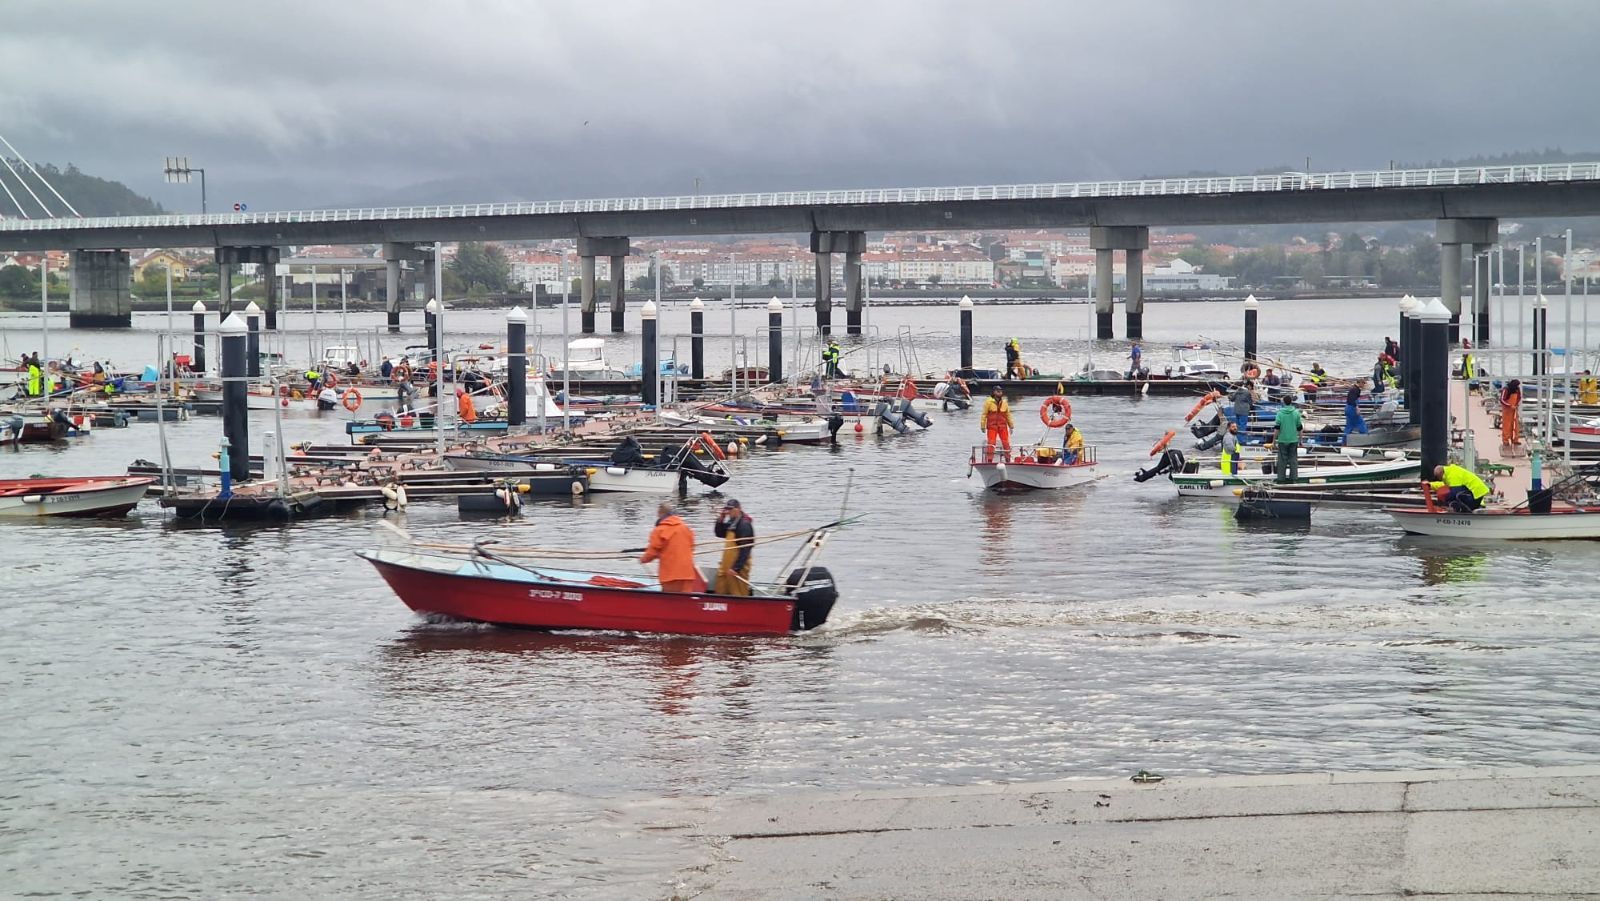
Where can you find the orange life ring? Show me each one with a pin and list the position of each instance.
(712, 446)
(330, 380)
(1201, 405)
(351, 399)
(1055, 402)
(1162, 444)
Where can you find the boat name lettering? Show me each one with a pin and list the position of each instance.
(1453, 520)
(546, 594)
(60, 498)
(712, 606)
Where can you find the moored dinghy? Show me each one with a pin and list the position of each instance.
(1039, 465)
(71, 496)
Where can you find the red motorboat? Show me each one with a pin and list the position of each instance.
(489, 587)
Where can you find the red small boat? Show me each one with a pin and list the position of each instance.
(490, 588)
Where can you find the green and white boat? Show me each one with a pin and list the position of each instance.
(1208, 480)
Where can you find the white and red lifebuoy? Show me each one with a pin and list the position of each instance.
(1056, 411)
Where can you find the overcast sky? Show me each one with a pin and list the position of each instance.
(296, 104)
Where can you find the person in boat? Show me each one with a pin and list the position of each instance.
(1071, 445)
(99, 377)
(386, 369)
(1390, 348)
(1353, 423)
(738, 532)
(996, 423)
(35, 376)
(464, 406)
(672, 543)
(402, 370)
(1014, 359)
(313, 380)
(327, 399)
(405, 399)
(1287, 440)
(830, 359)
(353, 369)
(1465, 490)
(1318, 375)
(1230, 449)
(1511, 413)
(1588, 388)
(953, 390)
(1242, 398)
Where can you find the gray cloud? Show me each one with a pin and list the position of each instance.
(299, 103)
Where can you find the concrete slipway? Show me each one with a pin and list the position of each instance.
(1459, 834)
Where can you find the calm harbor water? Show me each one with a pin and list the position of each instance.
(197, 712)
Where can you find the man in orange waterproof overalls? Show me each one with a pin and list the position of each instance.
(996, 422)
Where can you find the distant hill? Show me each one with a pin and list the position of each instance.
(90, 195)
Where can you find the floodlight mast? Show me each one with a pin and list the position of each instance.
(178, 171)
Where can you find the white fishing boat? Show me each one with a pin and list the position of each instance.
(1208, 480)
(71, 496)
(1520, 524)
(1194, 361)
(790, 429)
(1033, 467)
(586, 361)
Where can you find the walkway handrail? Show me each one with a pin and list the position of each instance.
(1241, 184)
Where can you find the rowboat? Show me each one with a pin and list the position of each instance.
(71, 496)
(1518, 524)
(489, 587)
(1208, 480)
(1032, 467)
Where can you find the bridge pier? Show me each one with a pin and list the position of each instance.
(852, 245)
(589, 248)
(394, 254)
(1451, 234)
(1133, 240)
(101, 283)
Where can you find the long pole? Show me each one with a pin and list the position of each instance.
(1566, 352)
(655, 362)
(313, 311)
(44, 316)
(169, 300)
(438, 327)
(1500, 309)
(1522, 307)
(344, 308)
(566, 350)
(733, 325)
(794, 303)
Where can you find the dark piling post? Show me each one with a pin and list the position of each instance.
(1433, 386)
(1541, 334)
(966, 337)
(697, 339)
(775, 340)
(1250, 310)
(198, 364)
(235, 403)
(516, 366)
(1410, 357)
(649, 357)
(252, 319)
(430, 318)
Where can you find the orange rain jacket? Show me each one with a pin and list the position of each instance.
(672, 542)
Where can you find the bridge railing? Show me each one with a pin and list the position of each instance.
(1222, 185)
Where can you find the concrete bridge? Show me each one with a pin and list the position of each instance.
(1465, 202)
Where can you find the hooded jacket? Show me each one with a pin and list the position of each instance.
(672, 542)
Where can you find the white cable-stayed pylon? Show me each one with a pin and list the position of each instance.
(42, 180)
(25, 187)
(21, 210)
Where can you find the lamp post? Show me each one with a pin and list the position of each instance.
(178, 172)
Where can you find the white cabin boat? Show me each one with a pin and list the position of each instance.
(586, 359)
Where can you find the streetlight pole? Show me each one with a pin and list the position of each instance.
(178, 171)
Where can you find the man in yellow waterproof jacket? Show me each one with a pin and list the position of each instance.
(1467, 491)
(1072, 445)
(996, 423)
(738, 532)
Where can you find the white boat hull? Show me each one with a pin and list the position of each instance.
(1213, 483)
(1495, 525)
(72, 503)
(1019, 476)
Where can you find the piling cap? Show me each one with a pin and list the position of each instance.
(1541, 302)
(697, 305)
(198, 307)
(1251, 303)
(1433, 311)
(233, 325)
(432, 307)
(648, 311)
(1408, 304)
(774, 305)
(517, 314)
(966, 302)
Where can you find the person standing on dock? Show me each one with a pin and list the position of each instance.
(1353, 423)
(1135, 355)
(35, 376)
(672, 542)
(996, 423)
(1242, 398)
(1287, 439)
(1511, 413)
(830, 359)
(1588, 389)
(1013, 359)
(739, 534)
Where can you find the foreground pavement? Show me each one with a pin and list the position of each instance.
(1459, 834)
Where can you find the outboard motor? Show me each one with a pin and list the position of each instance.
(15, 425)
(693, 467)
(1210, 441)
(813, 598)
(835, 423)
(889, 417)
(1171, 461)
(910, 413)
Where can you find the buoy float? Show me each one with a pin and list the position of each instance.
(733, 448)
(577, 488)
(1055, 412)
(859, 427)
(1162, 444)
